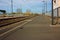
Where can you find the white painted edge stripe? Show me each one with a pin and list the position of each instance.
(7, 32)
(54, 25)
(14, 28)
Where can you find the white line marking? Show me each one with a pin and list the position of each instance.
(54, 25)
(9, 31)
(15, 28)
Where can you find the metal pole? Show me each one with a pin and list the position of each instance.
(12, 6)
(57, 15)
(43, 10)
(52, 14)
(46, 6)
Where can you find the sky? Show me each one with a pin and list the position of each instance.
(33, 5)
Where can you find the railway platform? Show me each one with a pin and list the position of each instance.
(37, 29)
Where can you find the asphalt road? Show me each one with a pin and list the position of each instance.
(38, 29)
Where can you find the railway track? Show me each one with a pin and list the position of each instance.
(8, 21)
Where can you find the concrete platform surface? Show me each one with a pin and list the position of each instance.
(38, 29)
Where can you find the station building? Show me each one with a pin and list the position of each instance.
(56, 9)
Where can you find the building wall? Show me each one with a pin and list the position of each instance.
(56, 7)
(56, 4)
(59, 11)
(55, 12)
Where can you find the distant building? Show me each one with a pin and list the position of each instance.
(28, 12)
(19, 12)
